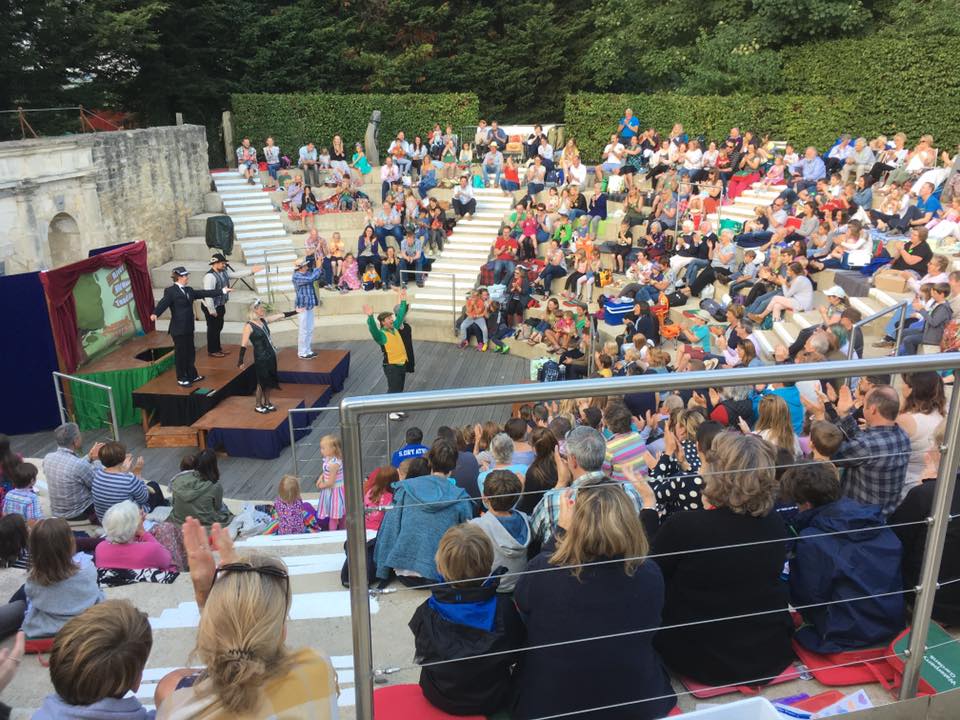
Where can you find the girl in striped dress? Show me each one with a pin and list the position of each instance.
(330, 504)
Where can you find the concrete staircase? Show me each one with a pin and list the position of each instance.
(261, 235)
(455, 270)
(742, 208)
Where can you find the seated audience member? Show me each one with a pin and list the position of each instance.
(586, 450)
(542, 473)
(825, 440)
(676, 475)
(831, 566)
(424, 508)
(523, 452)
(467, 469)
(378, 492)
(620, 600)
(732, 580)
(507, 528)
(502, 449)
(58, 586)
(119, 479)
(97, 661)
(241, 641)
(197, 492)
(23, 499)
(413, 447)
(69, 475)
(464, 618)
(14, 536)
(872, 461)
(128, 546)
(916, 508)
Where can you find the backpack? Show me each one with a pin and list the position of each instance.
(714, 309)
(551, 371)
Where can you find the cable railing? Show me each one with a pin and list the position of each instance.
(354, 408)
(295, 444)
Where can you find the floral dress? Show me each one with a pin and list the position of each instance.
(331, 503)
(290, 517)
(677, 489)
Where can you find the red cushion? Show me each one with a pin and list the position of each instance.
(856, 667)
(699, 690)
(405, 702)
(38, 646)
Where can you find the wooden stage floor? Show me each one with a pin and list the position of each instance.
(439, 366)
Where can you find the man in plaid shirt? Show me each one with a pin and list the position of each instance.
(873, 461)
(70, 475)
(303, 282)
(586, 451)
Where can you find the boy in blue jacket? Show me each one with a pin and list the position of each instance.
(862, 559)
(467, 618)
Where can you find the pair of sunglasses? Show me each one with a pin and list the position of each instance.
(269, 570)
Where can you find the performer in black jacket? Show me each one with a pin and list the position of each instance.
(179, 298)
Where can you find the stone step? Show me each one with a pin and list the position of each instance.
(244, 234)
(252, 222)
(231, 195)
(248, 201)
(455, 253)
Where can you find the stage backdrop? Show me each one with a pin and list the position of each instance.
(116, 301)
(28, 357)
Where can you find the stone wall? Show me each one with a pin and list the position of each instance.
(62, 197)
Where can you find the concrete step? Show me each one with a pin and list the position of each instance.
(768, 341)
(454, 253)
(267, 233)
(787, 330)
(252, 201)
(194, 249)
(212, 203)
(231, 195)
(263, 245)
(197, 224)
(255, 222)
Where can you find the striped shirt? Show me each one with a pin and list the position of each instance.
(546, 515)
(623, 450)
(69, 482)
(111, 488)
(22, 501)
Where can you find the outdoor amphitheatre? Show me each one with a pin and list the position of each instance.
(515, 362)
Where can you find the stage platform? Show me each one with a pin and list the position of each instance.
(166, 402)
(329, 367)
(234, 427)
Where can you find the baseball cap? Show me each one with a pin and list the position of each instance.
(835, 291)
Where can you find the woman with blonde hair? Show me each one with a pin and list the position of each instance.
(248, 670)
(483, 433)
(774, 424)
(256, 332)
(726, 562)
(610, 592)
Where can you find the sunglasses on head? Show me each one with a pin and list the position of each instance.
(243, 567)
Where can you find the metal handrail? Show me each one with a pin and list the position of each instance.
(352, 408)
(59, 377)
(454, 310)
(903, 305)
(266, 264)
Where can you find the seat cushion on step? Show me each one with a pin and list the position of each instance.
(853, 283)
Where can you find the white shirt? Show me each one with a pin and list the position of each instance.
(463, 194)
(389, 173)
(545, 151)
(693, 159)
(710, 158)
(612, 154)
(577, 173)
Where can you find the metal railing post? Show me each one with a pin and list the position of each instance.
(933, 552)
(386, 421)
(357, 562)
(113, 415)
(453, 304)
(266, 262)
(901, 325)
(293, 444)
(57, 387)
(857, 326)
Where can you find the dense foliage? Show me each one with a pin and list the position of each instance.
(521, 58)
(294, 119)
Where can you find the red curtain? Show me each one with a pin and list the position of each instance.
(58, 285)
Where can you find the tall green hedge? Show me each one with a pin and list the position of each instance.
(866, 86)
(904, 84)
(295, 119)
(803, 119)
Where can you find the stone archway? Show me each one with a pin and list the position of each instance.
(63, 239)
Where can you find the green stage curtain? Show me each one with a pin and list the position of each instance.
(89, 402)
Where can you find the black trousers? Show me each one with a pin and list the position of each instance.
(396, 376)
(463, 208)
(214, 327)
(184, 353)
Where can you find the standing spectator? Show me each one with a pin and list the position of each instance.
(629, 126)
(247, 161)
(739, 578)
(69, 475)
(600, 600)
(271, 154)
(464, 203)
(304, 280)
(308, 163)
(120, 479)
(873, 461)
(492, 164)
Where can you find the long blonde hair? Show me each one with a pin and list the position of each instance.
(241, 633)
(774, 417)
(605, 524)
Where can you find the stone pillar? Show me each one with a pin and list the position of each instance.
(228, 147)
(370, 140)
